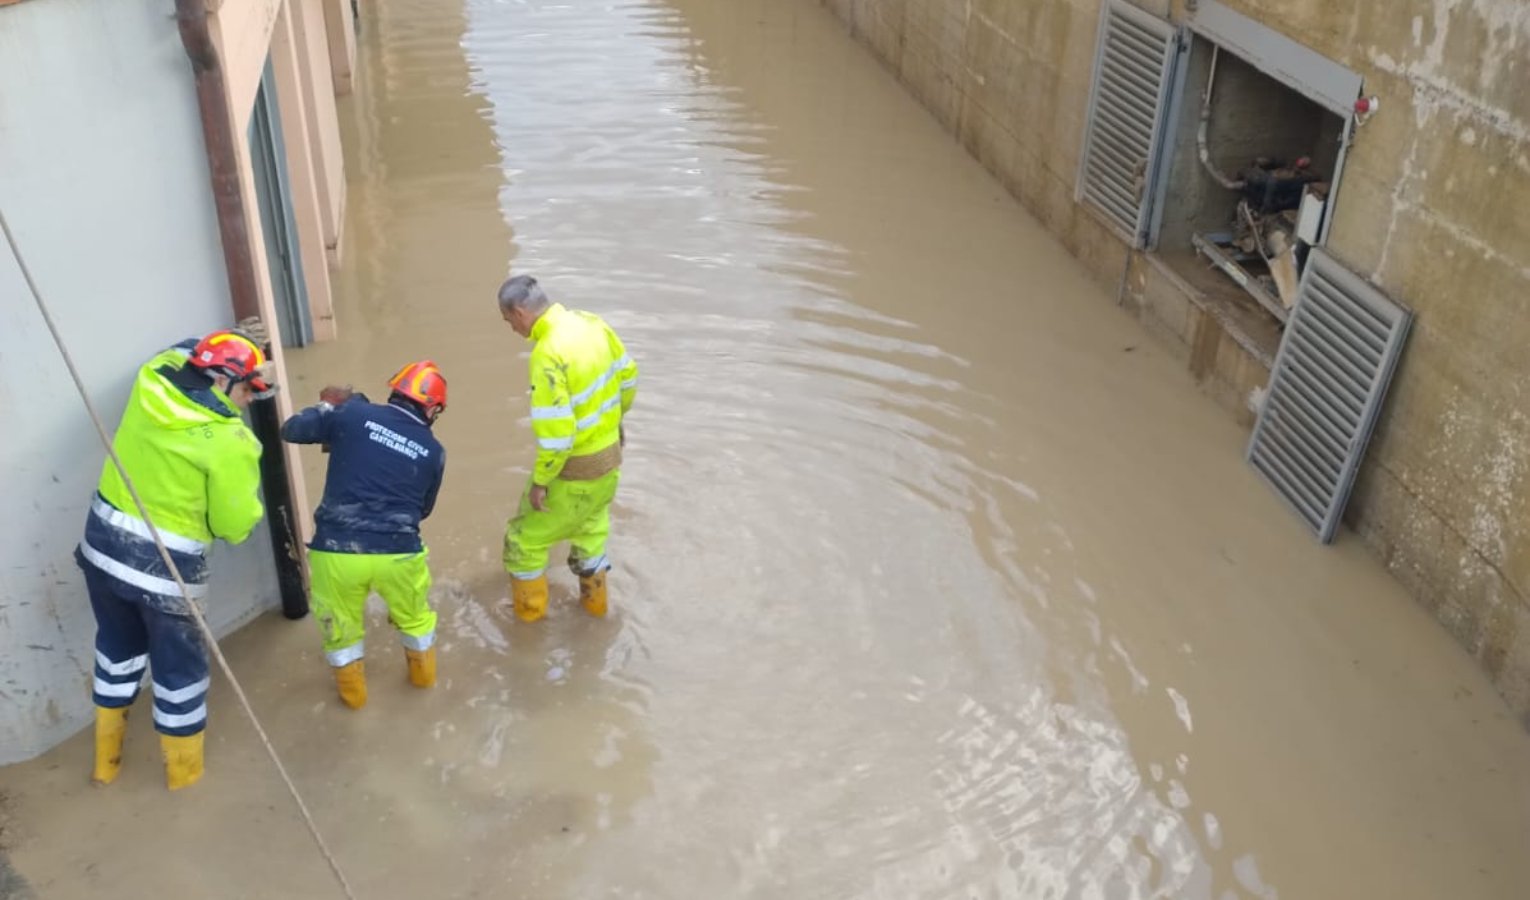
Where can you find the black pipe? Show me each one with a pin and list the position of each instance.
(280, 513)
(244, 291)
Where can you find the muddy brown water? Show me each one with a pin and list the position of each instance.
(936, 578)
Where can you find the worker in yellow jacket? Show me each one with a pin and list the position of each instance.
(196, 466)
(582, 385)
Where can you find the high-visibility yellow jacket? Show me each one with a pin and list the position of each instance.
(197, 468)
(582, 383)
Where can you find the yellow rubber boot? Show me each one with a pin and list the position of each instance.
(530, 598)
(183, 759)
(351, 679)
(111, 730)
(422, 667)
(592, 593)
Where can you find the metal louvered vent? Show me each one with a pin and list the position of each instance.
(1133, 69)
(1330, 377)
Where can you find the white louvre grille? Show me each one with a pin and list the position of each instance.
(1133, 72)
(1336, 360)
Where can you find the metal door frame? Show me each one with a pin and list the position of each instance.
(1156, 192)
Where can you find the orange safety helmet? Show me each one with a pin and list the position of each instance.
(423, 383)
(234, 355)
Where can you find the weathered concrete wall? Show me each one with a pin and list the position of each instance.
(104, 180)
(1434, 208)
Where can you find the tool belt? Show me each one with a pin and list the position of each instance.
(592, 466)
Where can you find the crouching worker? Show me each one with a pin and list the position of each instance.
(196, 466)
(385, 469)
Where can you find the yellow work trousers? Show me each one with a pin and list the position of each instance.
(341, 583)
(578, 512)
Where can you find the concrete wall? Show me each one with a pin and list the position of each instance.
(1434, 208)
(104, 180)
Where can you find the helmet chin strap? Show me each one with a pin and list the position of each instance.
(227, 382)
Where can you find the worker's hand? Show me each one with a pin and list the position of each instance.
(335, 396)
(539, 498)
(255, 328)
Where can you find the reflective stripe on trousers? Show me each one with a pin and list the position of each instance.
(116, 682)
(181, 707)
(134, 634)
(346, 655)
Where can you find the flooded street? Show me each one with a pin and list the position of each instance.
(935, 577)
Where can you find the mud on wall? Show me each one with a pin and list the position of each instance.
(1434, 209)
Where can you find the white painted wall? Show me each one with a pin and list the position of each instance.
(104, 180)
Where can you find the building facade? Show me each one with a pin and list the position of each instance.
(105, 180)
(1413, 117)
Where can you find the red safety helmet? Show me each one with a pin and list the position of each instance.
(423, 383)
(234, 355)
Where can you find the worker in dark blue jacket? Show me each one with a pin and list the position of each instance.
(385, 469)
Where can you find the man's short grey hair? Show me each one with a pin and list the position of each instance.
(523, 292)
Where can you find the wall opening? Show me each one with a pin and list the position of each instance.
(1239, 228)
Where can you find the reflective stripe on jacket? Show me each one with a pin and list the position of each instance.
(582, 383)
